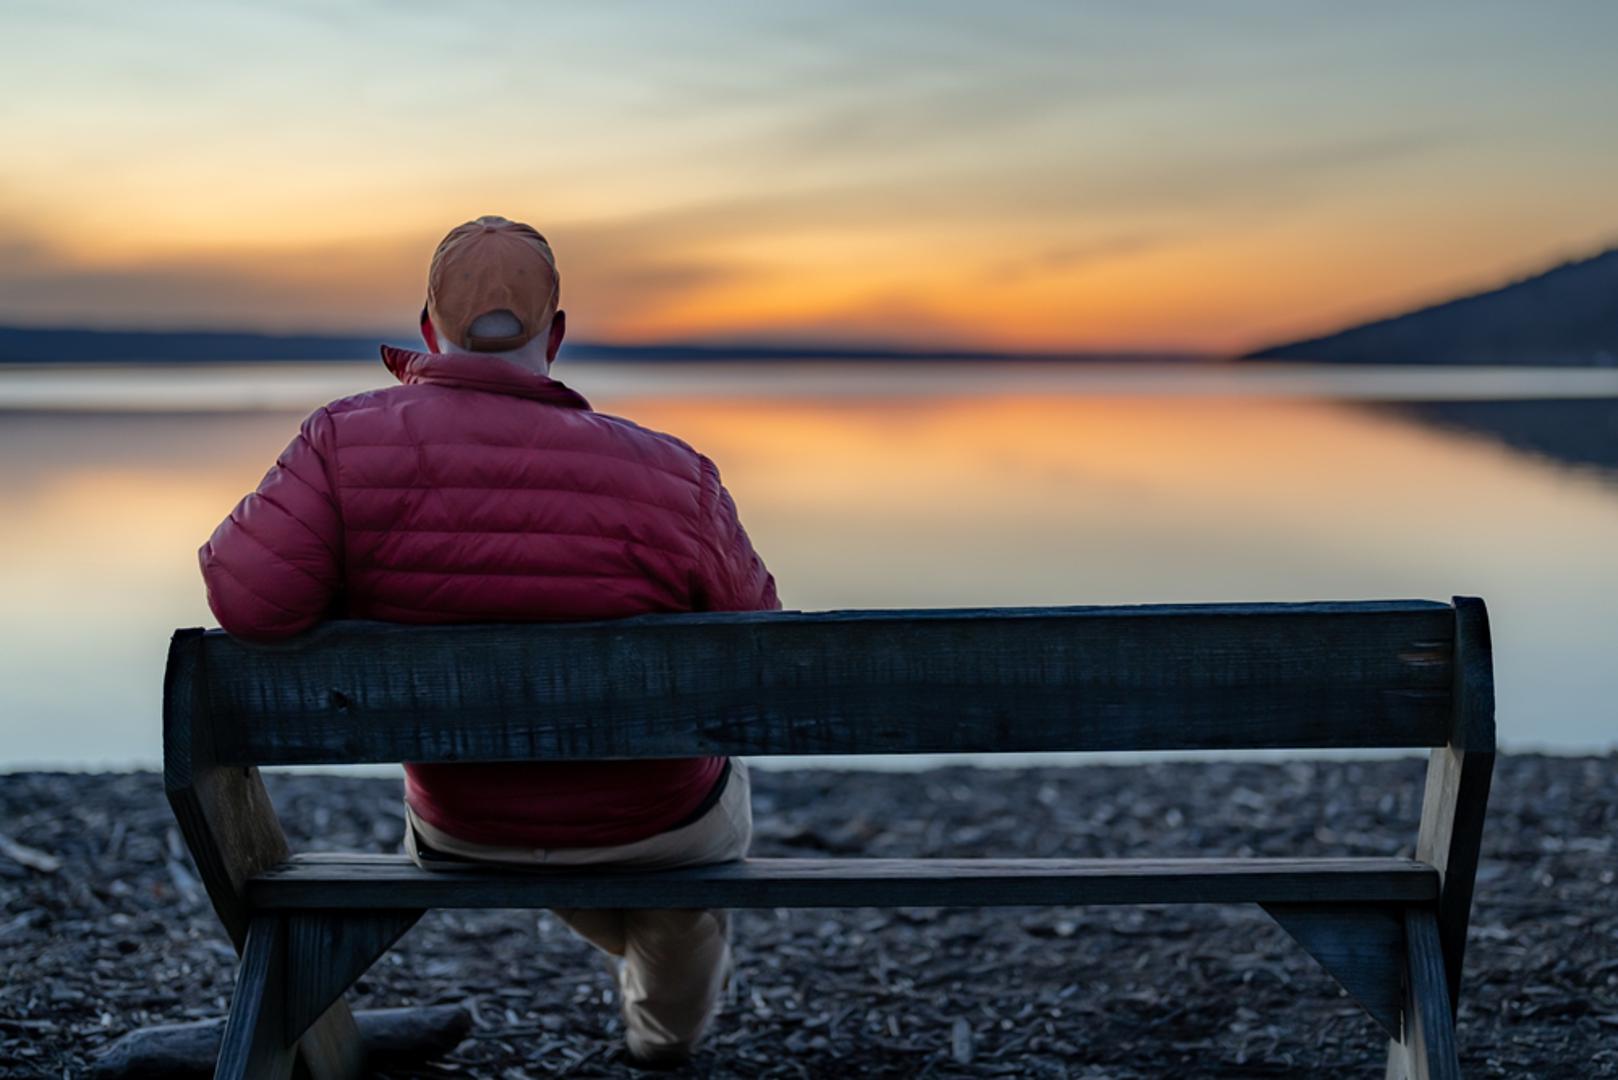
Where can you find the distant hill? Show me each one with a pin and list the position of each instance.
(44, 345)
(1568, 315)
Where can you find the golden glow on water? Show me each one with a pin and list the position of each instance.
(939, 500)
(1068, 500)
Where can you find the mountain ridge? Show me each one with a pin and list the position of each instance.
(1565, 315)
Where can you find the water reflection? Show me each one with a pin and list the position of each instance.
(1575, 431)
(967, 498)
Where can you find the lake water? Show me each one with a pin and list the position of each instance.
(883, 485)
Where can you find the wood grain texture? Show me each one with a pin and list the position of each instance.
(224, 813)
(1457, 795)
(373, 882)
(1429, 1044)
(254, 1047)
(231, 830)
(326, 951)
(1302, 676)
(1361, 946)
(395, 1039)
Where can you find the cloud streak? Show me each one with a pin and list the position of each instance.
(1083, 173)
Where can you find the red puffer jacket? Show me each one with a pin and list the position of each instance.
(482, 492)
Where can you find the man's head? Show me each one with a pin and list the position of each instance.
(493, 288)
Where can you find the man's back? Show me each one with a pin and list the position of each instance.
(481, 492)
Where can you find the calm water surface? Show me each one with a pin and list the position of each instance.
(885, 486)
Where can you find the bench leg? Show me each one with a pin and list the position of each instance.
(255, 1044)
(325, 952)
(1427, 1051)
(1361, 946)
(332, 1048)
(254, 1047)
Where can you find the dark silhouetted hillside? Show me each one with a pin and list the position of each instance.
(67, 345)
(1568, 315)
(49, 345)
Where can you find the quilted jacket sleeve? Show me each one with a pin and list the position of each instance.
(273, 567)
(733, 576)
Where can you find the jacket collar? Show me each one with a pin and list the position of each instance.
(486, 373)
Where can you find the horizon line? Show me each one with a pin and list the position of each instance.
(777, 349)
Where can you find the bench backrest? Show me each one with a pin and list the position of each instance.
(1197, 677)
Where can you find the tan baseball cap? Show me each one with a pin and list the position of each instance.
(490, 265)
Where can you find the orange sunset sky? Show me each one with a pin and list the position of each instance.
(1008, 175)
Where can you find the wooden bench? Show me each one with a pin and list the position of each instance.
(1203, 677)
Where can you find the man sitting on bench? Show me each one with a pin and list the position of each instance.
(482, 490)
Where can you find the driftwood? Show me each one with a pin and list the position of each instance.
(390, 1037)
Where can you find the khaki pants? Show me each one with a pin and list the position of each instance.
(674, 961)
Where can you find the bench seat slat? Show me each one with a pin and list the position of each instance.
(393, 881)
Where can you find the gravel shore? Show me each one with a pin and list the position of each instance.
(104, 928)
